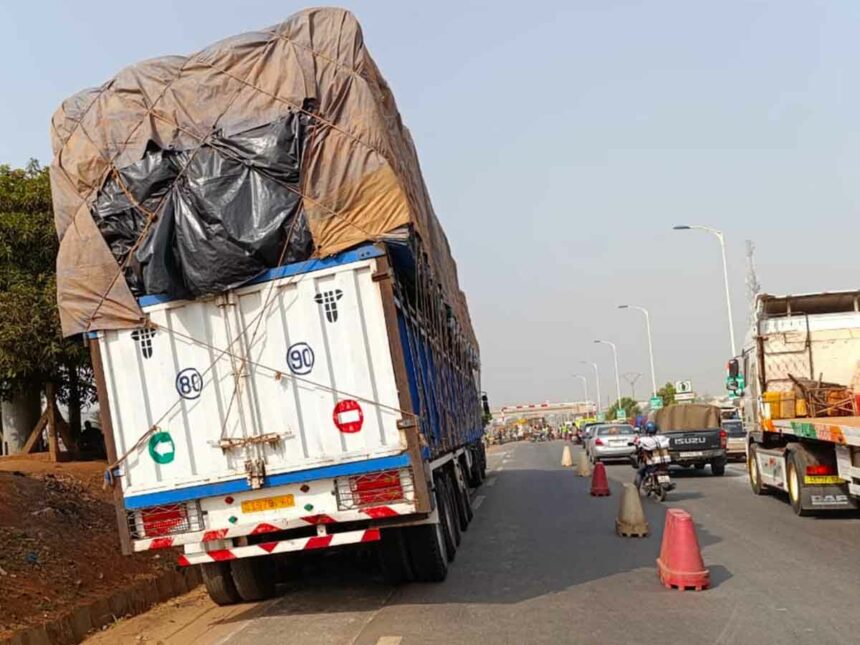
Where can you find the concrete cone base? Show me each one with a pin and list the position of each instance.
(583, 467)
(566, 457)
(631, 520)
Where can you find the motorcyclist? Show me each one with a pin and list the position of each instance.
(647, 445)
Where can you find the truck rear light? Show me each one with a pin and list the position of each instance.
(820, 469)
(598, 442)
(161, 521)
(724, 438)
(373, 489)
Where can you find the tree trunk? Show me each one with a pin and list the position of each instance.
(19, 417)
(74, 405)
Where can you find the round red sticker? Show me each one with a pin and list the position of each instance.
(348, 416)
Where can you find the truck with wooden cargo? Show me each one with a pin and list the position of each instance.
(284, 359)
(798, 378)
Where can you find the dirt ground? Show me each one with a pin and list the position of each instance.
(59, 546)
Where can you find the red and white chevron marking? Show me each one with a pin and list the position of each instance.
(270, 526)
(282, 546)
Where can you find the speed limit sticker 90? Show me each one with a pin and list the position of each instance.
(300, 358)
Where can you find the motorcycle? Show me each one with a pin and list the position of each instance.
(656, 482)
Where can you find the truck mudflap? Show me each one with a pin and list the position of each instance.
(828, 497)
(322, 540)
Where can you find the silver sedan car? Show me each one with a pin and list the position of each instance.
(612, 441)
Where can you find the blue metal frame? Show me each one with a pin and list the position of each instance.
(296, 268)
(241, 485)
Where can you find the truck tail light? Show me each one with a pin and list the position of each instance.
(820, 469)
(161, 521)
(724, 438)
(598, 442)
(370, 489)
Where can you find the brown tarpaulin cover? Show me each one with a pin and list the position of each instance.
(687, 416)
(361, 177)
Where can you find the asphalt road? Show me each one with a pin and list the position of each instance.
(541, 563)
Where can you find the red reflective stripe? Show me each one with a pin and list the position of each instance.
(161, 543)
(183, 561)
(264, 528)
(268, 547)
(217, 534)
(370, 535)
(319, 542)
(221, 555)
(319, 519)
(377, 512)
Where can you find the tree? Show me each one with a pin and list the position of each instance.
(631, 408)
(33, 351)
(667, 393)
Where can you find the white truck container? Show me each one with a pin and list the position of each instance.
(279, 417)
(794, 342)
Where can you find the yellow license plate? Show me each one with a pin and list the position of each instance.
(268, 504)
(822, 479)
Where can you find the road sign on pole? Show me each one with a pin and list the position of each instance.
(656, 402)
(683, 387)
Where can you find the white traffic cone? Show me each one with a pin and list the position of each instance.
(566, 457)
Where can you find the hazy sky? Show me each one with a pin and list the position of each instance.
(560, 142)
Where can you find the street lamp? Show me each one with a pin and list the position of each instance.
(584, 387)
(615, 357)
(650, 342)
(721, 238)
(597, 381)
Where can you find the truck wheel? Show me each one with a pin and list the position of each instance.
(755, 472)
(698, 466)
(451, 492)
(447, 517)
(795, 486)
(718, 468)
(464, 504)
(394, 557)
(482, 460)
(254, 578)
(219, 583)
(426, 546)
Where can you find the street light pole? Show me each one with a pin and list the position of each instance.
(650, 343)
(584, 387)
(615, 358)
(597, 381)
(721, 238)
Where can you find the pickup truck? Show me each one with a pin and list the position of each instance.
(695, 436)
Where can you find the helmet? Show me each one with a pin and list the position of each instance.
(650, 428)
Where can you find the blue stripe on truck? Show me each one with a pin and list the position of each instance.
(240, 485)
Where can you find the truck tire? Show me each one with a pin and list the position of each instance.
(427, 554)
(718, 468)
(450, 518)
(474, 473)
(758, 488)
(254, 578)
(394, 561)
(482, 460)
(219, 583)
(464, 503)
(795, 485)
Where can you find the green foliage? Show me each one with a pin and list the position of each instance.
(631, 408)
(667, 393)
(32, 349)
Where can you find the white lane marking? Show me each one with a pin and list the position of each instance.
(389, 640)
(491, 481)
(500, 468)
(477, 503)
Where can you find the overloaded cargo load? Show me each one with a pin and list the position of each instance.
(283, 357)
(187, 176)
(687, 416)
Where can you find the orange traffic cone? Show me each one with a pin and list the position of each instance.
(599, 485)
(680, 563)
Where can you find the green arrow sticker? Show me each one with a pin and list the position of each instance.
(161, 448)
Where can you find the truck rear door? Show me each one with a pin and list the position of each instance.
(693, 443)
(288, 373)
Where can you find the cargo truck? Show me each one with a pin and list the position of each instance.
(284, 359)
(798, 378)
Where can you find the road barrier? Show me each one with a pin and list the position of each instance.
(566, 457)
(599, 483)
(583, 466)
(680, 563)
(631, 520)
